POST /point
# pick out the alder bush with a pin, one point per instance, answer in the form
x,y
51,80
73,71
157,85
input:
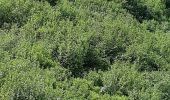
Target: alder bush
x,y
14,11
75,49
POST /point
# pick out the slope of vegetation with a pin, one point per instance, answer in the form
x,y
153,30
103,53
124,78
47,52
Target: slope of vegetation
x,y
84,50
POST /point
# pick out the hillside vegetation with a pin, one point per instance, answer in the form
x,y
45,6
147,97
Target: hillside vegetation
x,y
84,50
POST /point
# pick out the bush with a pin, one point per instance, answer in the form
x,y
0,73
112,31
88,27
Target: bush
x,y
75,49
15,12
149,55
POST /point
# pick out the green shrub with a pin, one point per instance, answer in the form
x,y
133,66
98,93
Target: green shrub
x,y
121,79
91,49
151,55
14,11
26,81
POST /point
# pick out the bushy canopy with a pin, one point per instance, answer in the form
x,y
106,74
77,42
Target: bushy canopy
x,y
84,50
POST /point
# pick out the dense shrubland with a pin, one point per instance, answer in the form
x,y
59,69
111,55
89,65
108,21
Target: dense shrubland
x,y
84,49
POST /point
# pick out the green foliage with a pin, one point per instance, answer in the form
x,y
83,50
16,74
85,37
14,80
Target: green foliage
x,y
12,10
151,55
84,49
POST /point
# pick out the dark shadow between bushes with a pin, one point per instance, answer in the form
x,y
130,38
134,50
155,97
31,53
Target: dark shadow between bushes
x,y
140,12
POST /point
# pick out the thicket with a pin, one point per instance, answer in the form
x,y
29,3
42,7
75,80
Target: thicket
x,y
84,49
